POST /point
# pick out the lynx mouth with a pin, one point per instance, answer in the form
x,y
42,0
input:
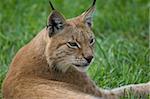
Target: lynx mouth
x,y
83,65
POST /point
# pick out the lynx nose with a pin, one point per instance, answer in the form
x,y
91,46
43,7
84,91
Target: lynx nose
x,y
89,58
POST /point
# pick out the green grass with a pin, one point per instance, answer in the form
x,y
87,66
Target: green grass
x,y
121,27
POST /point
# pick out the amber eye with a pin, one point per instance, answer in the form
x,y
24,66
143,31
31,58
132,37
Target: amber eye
x,y
92,41
73,45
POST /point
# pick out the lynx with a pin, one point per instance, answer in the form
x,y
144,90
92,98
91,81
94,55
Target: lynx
x,y
53,64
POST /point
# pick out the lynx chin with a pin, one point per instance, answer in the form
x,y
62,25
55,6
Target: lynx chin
x,y
53,64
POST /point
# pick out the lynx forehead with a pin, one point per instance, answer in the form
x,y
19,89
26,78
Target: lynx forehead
x,y
70,41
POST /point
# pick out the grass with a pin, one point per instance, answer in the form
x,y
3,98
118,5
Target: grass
x,y
121,29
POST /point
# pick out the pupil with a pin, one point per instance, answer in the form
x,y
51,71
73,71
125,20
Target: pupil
x,y
91,41
72,44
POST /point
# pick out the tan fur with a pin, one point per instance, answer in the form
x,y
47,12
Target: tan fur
x,y
43,68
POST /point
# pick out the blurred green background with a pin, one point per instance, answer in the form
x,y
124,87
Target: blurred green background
x,y
121,29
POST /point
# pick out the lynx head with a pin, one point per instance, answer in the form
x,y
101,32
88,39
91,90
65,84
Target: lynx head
x,y
70,41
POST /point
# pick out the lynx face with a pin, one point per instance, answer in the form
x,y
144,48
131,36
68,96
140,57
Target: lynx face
x,y
70,42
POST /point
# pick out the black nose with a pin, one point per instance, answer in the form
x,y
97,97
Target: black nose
x,y
89,58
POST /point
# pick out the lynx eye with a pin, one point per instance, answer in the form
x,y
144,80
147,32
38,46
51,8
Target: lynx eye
x,y
73,45
92,41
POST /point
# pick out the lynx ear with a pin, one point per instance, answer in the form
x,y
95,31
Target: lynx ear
x,y
56,22
88,15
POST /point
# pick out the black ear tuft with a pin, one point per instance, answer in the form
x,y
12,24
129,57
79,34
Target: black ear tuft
x,y
94,2
51,5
